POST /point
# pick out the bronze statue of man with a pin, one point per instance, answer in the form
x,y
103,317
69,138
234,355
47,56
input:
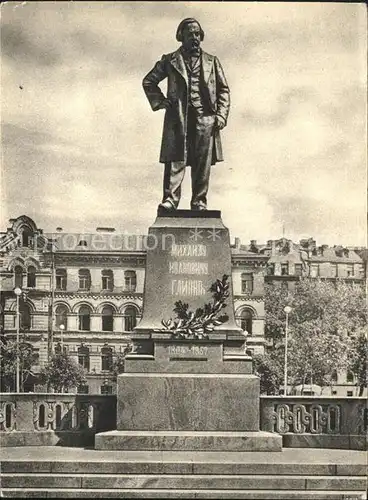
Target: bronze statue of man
x,y
197,107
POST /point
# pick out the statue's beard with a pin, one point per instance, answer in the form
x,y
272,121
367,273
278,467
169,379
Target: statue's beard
x,y
192,46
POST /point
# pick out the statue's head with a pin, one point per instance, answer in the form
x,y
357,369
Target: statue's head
x,y
190,34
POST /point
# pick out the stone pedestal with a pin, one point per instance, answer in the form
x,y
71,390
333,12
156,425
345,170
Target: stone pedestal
x,y
187,393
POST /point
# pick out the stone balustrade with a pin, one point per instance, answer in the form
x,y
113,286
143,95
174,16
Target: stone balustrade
x,y
316,422
48,419
73,419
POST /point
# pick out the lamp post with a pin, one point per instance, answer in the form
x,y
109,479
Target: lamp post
x,y
62,328
287,310
18,293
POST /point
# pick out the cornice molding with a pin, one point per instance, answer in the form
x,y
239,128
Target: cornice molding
x,y
98,296
77,259
249,298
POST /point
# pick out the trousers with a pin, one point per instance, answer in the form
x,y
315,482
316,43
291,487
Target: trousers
x,y
199,146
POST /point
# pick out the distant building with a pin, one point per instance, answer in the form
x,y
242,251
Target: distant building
x,y
84,292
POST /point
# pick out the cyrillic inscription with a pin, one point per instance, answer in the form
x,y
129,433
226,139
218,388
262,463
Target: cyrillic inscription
x,y
176,267
187,287
188,250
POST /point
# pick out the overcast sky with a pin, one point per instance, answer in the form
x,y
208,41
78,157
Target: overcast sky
x,y
81,143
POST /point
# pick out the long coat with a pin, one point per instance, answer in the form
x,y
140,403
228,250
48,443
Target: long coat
x,y
215,93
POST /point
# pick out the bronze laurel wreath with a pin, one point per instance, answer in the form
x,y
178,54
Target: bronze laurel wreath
x,y
199,324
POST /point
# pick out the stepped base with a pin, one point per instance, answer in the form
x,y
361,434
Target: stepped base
x,y
57,472
188,441
139,493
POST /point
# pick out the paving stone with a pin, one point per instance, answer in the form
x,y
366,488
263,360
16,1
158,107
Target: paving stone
x,y
41,481
174,482
336,483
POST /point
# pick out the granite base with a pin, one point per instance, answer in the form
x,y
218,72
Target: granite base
x,y
188,441
187,402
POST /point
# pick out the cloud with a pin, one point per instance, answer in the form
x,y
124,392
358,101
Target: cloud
x,y
285,104
17,45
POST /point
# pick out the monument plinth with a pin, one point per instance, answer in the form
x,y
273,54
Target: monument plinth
x,y
188,383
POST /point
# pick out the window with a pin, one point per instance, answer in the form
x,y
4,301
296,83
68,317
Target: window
x,y
334,271
247,282
18,277
106,359
130,278
84,279
284,269
61,279
106,389
334,392
245,320
61,316
84,318
314,270
58,348
349,394
28,387
361,271
298,269
334,376
284,285
26,238
31,277
270,269
349,377
130,318
83,357
350,270
108,280
107,319
83,389
24,316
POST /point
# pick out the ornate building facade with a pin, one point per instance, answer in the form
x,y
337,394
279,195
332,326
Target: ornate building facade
x,y
83,293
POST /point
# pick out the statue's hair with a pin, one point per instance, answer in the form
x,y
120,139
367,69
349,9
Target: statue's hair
x,y
184,22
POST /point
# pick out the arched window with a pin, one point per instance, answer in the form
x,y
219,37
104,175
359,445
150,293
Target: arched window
x,y
130,318
61,279
107,319
247,282
84,279
349,377
26,237
84,318
106,359
31,277
130,279
83,357
107,280
18,277
245,320
24,316
61,316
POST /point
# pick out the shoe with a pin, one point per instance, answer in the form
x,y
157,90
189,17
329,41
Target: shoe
x,y
198,207
167,206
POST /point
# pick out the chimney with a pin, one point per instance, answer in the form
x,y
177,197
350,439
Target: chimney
x,y
273,247
59,229
237,243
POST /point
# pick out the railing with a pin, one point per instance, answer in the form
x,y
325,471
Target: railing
x,y
314,421
71,419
